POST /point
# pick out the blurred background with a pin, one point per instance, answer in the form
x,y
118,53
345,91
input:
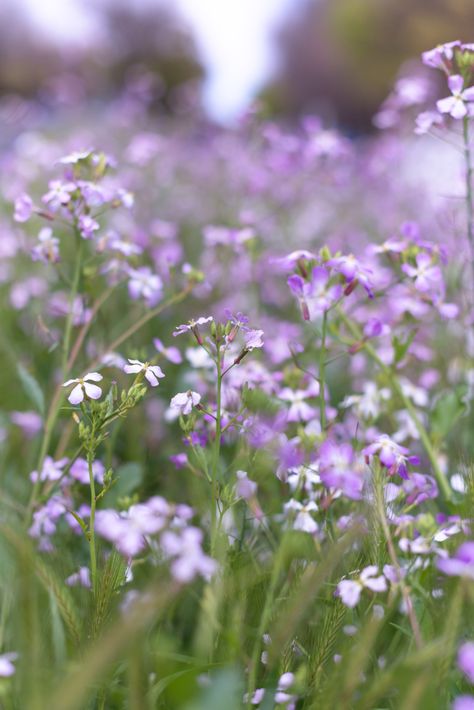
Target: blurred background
x,y
214,58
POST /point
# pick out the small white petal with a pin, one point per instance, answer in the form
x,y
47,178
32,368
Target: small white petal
x,y
132,369
151,377
93,377
92,391
70,382
77,395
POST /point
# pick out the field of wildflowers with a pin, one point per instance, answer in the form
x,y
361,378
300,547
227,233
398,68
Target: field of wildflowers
x,y
236,420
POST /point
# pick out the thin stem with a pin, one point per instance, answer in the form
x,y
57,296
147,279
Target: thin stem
x,y
322,356
53,410
394,560
217,450
396,387
177,298
469,196
91,533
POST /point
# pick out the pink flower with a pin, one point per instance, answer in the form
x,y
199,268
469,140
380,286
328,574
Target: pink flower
x,y
152,372
84,388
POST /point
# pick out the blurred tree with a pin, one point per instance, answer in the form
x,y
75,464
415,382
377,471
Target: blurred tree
x,y
340,57
148,46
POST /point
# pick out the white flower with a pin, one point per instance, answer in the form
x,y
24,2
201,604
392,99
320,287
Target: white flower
x,y
183,402
83,387
350,590
152,372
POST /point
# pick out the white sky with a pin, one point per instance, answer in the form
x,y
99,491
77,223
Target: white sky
x,y
233,36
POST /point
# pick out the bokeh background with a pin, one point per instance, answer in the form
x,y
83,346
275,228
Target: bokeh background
x,y
213,58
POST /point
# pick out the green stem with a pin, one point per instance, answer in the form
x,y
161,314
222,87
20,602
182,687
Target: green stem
x,y
396,387
217,451
264,621
322,355
91,535
469,196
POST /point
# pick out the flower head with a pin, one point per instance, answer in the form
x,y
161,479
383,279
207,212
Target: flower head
x,y
152,372
457,105
183,402
84,388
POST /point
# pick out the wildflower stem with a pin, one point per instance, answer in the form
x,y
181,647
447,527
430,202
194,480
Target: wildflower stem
x,y
91,534
469,196
322,356
396,387
217,451
380,502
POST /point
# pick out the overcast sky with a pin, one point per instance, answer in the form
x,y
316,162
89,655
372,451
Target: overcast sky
x,y
233,36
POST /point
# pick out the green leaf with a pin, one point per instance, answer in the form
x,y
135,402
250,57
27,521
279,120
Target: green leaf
x,y
129,478
31,388
449,407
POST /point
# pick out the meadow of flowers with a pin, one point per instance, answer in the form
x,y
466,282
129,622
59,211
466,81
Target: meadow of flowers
x,y
236,424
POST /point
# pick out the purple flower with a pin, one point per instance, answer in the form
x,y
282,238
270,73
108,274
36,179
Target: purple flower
x,y
253,339
353,272
7,668
59,194
437,57
80,471
456,104
23,208
84,388
188,559
87,226
51,471
47,250
245,488
29,422
320,295
391,455
170,353
337,469
427,275
183,402
144,284
81,578
192,326
152,372
299,410
466,660
462,564
464,702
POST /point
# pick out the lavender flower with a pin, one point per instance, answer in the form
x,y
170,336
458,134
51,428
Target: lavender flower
x,y
183,402
462,564
170,353
47,250
350,590
7,668
457,105
23,208
466,660
144,284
